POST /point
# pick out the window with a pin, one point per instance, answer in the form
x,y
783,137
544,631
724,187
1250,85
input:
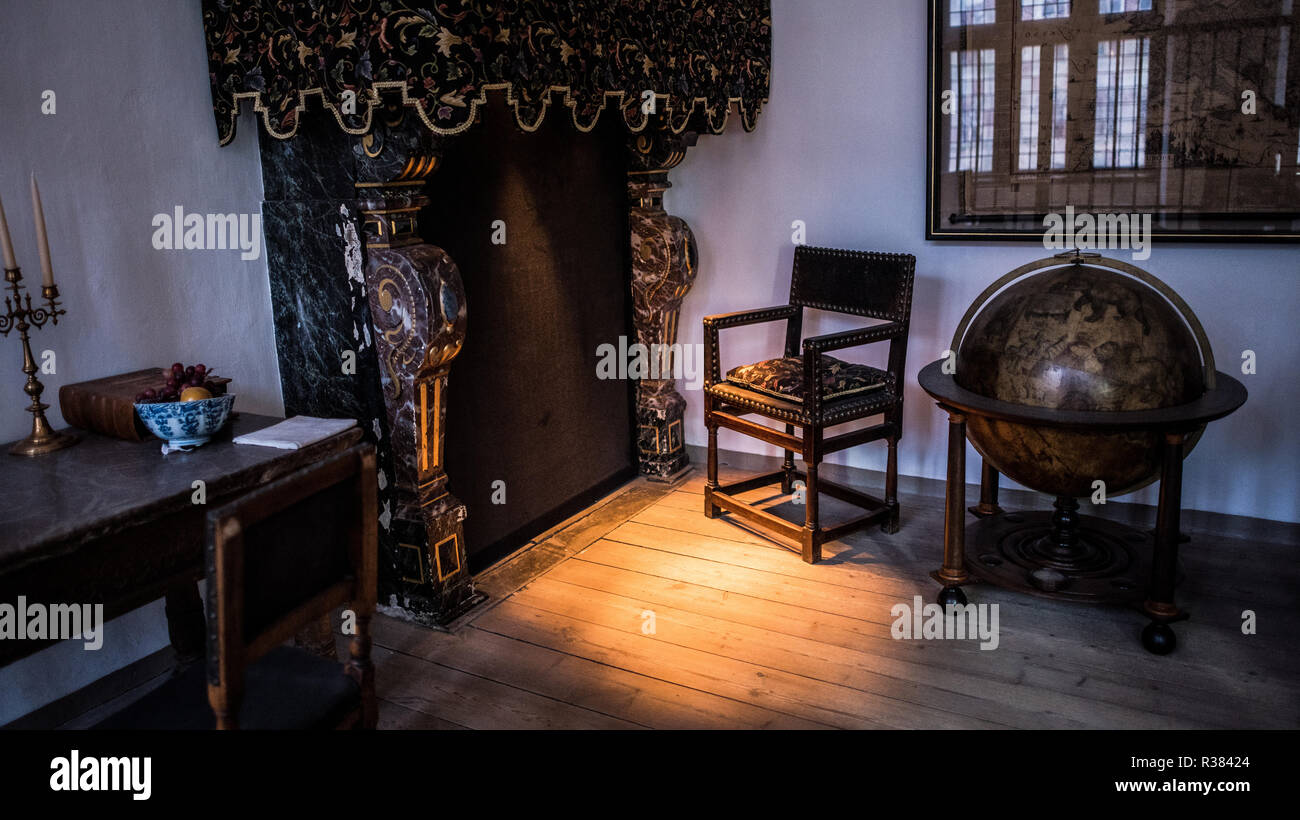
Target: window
x,y
971,12
1121,121
1030,57
971,133
1044,9
1121,6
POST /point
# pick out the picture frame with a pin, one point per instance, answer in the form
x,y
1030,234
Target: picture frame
x,y
1188,112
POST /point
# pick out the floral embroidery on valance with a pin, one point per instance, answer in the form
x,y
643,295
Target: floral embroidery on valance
x,y
697,57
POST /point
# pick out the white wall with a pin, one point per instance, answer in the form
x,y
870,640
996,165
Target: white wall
x,y
842,146
133,135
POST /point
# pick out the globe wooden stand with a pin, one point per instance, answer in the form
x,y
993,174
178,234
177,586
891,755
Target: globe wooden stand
x,y
1063,555
1060,554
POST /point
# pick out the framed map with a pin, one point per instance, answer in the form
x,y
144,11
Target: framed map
x,y
1184,110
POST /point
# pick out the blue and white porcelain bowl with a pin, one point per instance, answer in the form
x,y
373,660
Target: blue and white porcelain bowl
x,y
186,423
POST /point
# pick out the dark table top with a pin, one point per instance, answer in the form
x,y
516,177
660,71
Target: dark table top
x,y
99,486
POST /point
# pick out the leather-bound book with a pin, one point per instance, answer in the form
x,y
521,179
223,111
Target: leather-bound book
x,y
108,405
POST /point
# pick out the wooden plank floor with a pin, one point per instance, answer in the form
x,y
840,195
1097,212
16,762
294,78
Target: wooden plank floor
x,y
645,614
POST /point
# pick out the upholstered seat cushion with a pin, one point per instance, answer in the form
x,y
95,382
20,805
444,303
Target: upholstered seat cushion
x,y
783,378
289,688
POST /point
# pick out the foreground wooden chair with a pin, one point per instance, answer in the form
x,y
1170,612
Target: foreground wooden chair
x,y
278,559
875,285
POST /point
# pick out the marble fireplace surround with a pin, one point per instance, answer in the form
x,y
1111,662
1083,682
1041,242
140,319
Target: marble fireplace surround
x,y
370,317
357,99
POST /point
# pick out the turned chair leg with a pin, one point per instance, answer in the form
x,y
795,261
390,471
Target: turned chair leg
x,y
812,532
225,703
711,481
890,525
362,670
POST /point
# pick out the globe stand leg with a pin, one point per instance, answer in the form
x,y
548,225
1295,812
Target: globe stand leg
x,y
951,596
953,571
988,493
1157,637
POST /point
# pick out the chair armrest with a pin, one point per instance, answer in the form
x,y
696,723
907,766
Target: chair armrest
x,y
750,317
716,322
815,346
854,338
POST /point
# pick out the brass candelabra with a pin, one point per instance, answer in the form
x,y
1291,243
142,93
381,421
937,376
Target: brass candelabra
x,y
23,316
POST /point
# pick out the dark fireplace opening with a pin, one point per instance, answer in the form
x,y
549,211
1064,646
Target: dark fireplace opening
x,y
537,223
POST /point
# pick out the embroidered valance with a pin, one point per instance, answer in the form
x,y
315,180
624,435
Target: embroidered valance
x,y
441,57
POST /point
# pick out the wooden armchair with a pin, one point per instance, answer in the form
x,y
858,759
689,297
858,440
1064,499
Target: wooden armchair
x,y
874,285
278,559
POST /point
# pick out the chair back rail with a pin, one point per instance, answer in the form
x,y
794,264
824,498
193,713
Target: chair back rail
x,y
864,283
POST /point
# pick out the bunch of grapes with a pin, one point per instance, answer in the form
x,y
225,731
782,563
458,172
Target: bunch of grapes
x,y
178,379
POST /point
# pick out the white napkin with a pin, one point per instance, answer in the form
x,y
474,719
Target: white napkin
x,y
297,432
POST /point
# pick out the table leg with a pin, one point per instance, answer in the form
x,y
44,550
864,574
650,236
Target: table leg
x,y
186,626
953,572
1157,636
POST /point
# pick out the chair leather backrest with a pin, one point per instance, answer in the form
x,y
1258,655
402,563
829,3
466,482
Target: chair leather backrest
x,y
287,553
863,283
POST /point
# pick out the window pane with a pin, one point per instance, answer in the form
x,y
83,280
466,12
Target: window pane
x,y
971,130
1119,6
1030,57
972,12
1120,135
1044,9
1060,110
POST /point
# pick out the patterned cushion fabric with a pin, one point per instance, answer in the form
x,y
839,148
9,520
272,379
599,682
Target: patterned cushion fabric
x,y
783,378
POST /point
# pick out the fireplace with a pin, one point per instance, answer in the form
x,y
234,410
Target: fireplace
x,y
386,281
538,225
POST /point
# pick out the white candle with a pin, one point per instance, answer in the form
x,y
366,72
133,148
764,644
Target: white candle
x,y
42,241
6,245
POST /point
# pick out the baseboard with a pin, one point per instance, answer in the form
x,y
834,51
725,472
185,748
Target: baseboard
x,y
65,710
1138,515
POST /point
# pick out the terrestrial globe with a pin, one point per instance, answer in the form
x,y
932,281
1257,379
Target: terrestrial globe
x,y
1078,337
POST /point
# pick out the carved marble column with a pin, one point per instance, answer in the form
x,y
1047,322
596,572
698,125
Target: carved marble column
x,y
663,269
417,307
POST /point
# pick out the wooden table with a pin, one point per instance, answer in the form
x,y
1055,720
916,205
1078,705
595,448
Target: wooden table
x,y
116,522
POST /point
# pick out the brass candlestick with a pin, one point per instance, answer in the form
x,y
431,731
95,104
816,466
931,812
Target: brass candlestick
x,y
44,439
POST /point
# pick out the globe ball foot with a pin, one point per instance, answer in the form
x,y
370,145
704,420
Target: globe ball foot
x,y
1159,639
951,596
